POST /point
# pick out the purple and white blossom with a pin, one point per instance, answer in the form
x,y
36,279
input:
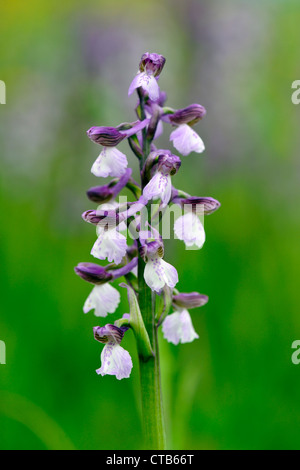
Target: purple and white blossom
x,y
160,185
186,140
178,328
103,299
110,245
115,360
150,68
157,273
189,228
111,161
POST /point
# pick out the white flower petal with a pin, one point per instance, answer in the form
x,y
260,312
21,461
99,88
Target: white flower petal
x,y
186,140
158,273
178,328
104,299
111,245
160,186
111,162
148,83
189,229
115,360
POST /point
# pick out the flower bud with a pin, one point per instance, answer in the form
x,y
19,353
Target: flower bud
x,y
152,63
191,300
103,218
189,115
103,194
109,333
205,205
93,273
100,194
106,136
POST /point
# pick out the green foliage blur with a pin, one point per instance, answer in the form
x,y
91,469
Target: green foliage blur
x,y
67,66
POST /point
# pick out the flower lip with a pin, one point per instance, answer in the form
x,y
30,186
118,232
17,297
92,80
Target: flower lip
x,y
93,273
152,63
189,115
106,136
206,204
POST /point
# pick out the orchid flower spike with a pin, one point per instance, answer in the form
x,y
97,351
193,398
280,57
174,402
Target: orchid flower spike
x,y
142,264
115,360
150,68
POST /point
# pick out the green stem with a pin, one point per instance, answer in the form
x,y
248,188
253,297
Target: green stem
x,y
152,409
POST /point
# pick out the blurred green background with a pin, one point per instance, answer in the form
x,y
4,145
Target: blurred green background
x,y
67,66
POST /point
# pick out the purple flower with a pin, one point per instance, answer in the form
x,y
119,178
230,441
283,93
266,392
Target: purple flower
x,y
109,332
110,244
150,68
178,328
189,229
157,272
152,63
104,218
103,299
93,273
115,360
112,162
186,140
189,115
199,205
160,186
106,136
189,300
